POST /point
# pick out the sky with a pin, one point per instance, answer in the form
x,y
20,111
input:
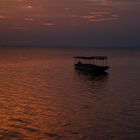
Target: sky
x,y
70,23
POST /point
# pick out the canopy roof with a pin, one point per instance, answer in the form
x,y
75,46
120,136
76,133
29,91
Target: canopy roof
x,y
92,57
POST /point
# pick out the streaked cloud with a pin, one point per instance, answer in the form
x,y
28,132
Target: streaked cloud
x,y
71,18
48,24
3,17
29,19
29,6
100,16
13,27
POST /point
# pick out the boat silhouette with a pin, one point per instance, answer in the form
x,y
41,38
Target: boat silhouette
x,y
96,64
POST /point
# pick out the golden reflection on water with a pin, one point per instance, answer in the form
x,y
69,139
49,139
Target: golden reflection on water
x,y
35,101
42,97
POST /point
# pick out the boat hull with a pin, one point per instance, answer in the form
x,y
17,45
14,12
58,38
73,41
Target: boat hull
x,y
91,68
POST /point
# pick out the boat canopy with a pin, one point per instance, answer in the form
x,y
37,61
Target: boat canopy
x,y
92,57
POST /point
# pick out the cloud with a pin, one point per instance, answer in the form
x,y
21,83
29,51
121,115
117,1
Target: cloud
x,y
100,16
13,27
3,17
29,7
29,19
48,24
102,19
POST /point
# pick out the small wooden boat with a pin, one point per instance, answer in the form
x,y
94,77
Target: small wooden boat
x,y
97,64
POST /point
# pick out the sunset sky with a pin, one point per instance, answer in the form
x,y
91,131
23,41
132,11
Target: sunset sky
x,y
92,23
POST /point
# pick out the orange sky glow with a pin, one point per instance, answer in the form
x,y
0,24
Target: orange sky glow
x,y
16,13
53,15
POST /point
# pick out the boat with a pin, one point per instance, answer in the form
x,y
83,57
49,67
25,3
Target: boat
x,y
96,64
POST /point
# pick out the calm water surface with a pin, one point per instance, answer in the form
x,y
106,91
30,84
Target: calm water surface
x,y
42,97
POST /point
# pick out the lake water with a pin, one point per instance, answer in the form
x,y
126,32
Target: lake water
x,y
42,96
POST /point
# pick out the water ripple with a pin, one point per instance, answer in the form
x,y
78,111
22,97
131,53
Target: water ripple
x,y
45,98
